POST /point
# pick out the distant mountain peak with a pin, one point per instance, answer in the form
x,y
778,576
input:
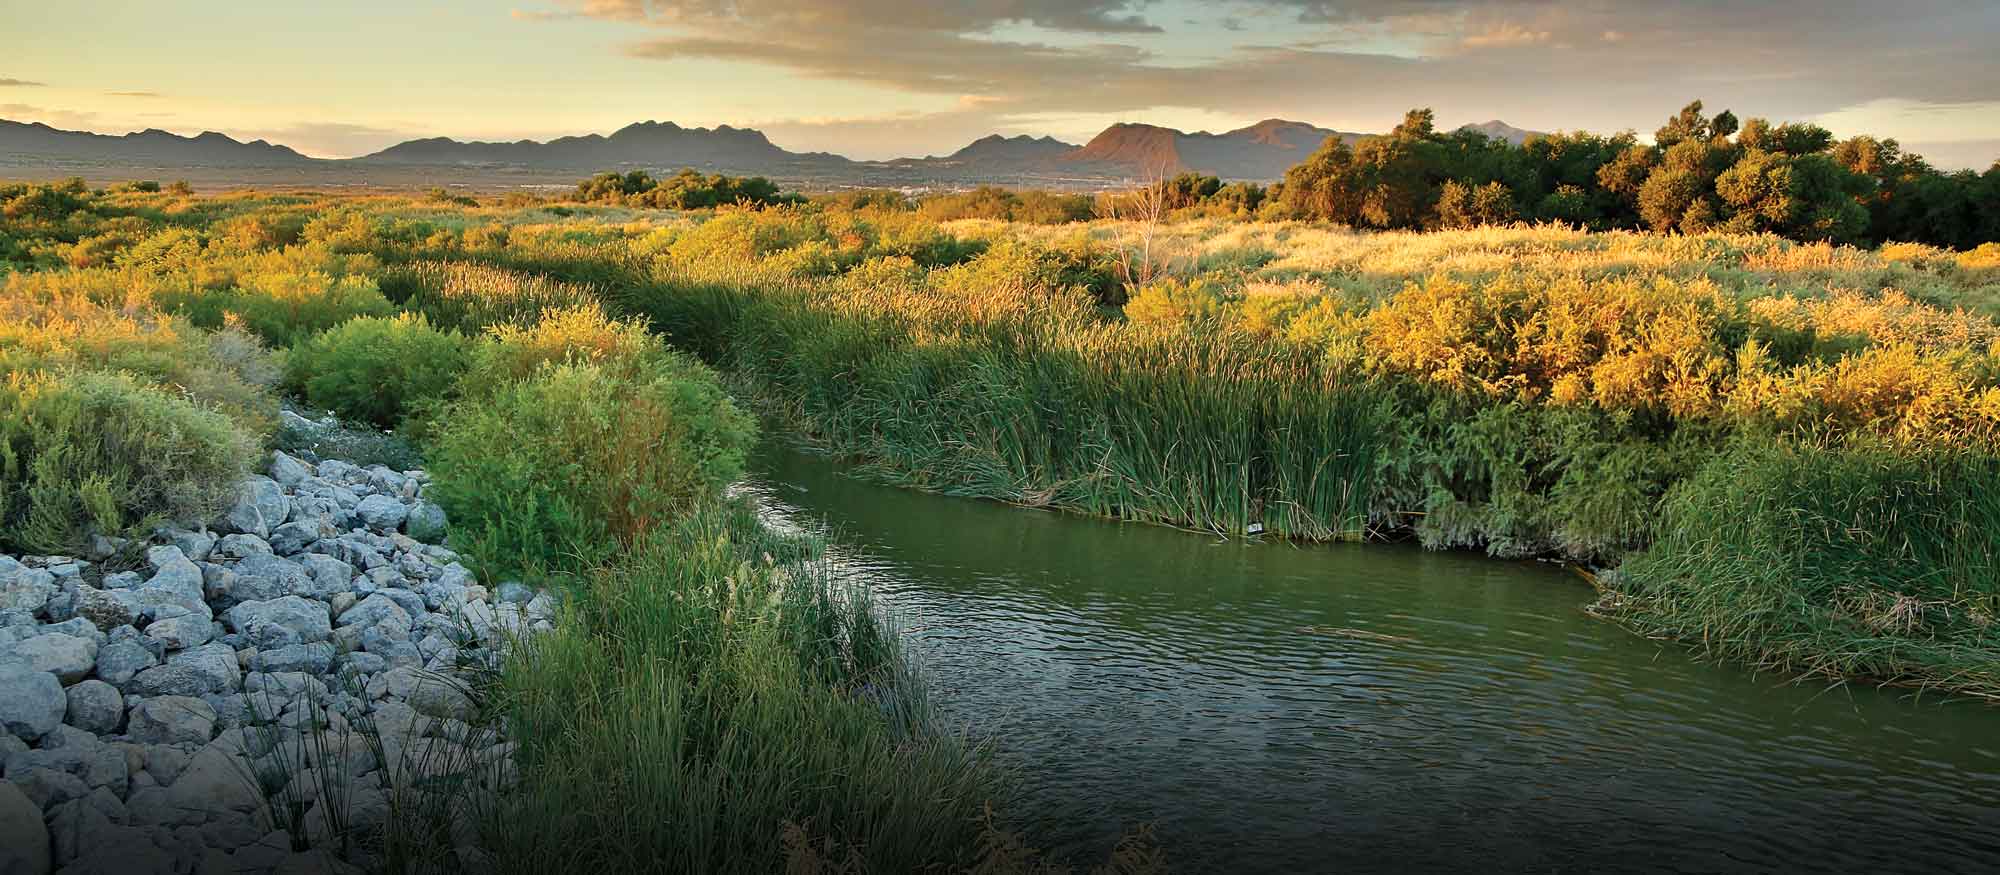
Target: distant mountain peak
x,y
208,148
1500,130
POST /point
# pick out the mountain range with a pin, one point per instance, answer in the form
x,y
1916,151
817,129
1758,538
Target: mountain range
x,y
1123,151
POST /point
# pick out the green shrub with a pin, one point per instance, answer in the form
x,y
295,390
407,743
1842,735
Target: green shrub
x,y
83,452
377,370
225,370
289,307
564,470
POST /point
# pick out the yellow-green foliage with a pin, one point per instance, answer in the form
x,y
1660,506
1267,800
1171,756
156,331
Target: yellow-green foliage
x,y
84,452
576,436
377,370
225,370
576,335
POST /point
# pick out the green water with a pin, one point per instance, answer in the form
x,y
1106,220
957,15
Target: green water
x,y
1268,707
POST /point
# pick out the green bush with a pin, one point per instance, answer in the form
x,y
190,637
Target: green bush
x,y
286,308
564,470
378,370
83,452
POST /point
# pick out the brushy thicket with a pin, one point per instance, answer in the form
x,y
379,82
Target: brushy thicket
x,y
595,450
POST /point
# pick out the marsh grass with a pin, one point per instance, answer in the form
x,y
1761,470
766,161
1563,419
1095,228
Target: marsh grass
x,y
713,691
1830,562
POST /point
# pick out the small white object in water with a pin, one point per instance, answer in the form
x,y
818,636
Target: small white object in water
x,y
1254,529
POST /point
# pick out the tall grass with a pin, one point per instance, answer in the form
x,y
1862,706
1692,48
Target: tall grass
x,y
713,692
1838,562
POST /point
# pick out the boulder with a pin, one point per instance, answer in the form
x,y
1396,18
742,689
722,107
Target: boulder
x,y
24,840
182,632
293,537
260,506
287,470
425,522
107,609
218,778
196,546
381,512
118,661
428,693
241,545
316,657
210,668
24,589
176,582
31,700
378,607
171,720
266,576
281,621
69,658
94,706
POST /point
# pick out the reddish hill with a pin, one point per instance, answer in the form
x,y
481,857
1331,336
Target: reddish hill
x,y
1261,151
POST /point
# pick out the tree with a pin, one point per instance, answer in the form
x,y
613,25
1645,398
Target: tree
x,y
1688,124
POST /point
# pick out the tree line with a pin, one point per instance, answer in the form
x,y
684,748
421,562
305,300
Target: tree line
x,y
687,190
1700,173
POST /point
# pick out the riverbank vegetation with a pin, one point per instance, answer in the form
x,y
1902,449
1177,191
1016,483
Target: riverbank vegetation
x,y
1751,432
712,698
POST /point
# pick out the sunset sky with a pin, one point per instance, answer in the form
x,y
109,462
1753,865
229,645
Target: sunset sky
x,y
875,79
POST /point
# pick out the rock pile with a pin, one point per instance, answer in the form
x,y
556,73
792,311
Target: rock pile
x,y
256,693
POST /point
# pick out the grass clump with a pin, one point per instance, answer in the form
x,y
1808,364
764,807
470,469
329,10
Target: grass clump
x,y
710,693
378,370
1860,561
86,453
470,297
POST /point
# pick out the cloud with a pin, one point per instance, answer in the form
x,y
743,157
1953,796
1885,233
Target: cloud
x,y
1967,121
1506,34
20,83
1351,64
1074,16
147,95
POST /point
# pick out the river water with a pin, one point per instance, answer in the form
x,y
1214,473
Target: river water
x,y
1271,707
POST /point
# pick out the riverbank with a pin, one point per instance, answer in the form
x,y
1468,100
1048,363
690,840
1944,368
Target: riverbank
x,y
291,688
1360,708
1617,400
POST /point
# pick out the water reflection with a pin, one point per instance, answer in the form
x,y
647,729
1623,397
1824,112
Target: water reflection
x,y
1276,708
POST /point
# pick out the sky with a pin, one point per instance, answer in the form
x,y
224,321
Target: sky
x,y
878,79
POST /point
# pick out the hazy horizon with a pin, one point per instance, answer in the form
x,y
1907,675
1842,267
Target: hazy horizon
x,y
871,79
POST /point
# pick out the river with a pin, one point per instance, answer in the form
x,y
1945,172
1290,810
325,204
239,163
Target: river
x,y
1274,707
